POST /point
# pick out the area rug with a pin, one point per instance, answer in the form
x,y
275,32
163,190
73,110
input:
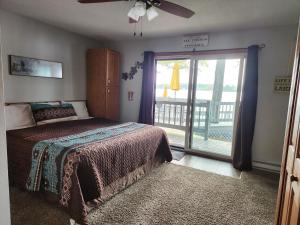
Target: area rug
x,y
177,155
170,195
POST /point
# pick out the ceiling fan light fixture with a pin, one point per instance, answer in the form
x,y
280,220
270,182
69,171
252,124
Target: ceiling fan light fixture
x,y
152,13
137,11
132,14
140,8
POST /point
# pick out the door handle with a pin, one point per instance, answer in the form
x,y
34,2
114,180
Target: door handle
x,y
294,179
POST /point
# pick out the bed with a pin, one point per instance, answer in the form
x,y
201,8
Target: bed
x,y
84,162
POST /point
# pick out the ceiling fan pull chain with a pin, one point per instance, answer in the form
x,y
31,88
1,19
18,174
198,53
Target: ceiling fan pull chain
x,y
141,34
134,30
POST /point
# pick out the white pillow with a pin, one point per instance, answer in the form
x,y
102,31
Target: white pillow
x,y
80,109
18,116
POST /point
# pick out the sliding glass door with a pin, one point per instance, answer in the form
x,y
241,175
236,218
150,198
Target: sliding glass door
x,y
197,101
216,96
172,81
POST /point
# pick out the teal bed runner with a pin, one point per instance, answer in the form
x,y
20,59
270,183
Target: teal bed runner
x,y
48,156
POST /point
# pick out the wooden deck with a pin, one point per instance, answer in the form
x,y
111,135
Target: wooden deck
x,y
177,137
212,124
209,122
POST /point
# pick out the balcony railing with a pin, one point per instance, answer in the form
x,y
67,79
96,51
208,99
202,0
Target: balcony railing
x,y
206,115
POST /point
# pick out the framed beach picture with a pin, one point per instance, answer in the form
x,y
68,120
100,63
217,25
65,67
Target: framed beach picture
x,y
24,66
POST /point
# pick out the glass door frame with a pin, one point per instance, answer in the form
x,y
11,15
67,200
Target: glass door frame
x,y
194,57
178,57
192,97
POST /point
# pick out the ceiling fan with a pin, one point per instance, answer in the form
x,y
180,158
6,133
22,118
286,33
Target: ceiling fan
x,y
147,7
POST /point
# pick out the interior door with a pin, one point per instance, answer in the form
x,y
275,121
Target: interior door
x,y
288,211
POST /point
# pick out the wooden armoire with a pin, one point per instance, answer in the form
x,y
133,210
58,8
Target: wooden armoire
x,y
288,201
103,83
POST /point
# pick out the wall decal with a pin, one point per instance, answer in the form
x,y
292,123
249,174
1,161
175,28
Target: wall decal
x,y
133,71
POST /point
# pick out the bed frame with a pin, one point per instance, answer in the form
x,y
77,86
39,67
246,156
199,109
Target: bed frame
x,y
15,103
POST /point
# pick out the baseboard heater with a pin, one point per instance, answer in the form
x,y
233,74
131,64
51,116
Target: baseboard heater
x,y
266,166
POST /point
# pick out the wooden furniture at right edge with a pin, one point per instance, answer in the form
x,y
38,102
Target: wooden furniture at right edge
x,y
288,201
103,83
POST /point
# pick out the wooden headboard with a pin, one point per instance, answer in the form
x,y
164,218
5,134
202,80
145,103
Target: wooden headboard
x,y
14,103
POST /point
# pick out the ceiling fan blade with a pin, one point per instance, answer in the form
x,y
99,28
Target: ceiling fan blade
x,y
98,1
175,9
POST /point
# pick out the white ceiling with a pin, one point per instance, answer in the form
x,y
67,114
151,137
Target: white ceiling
x,y
109,20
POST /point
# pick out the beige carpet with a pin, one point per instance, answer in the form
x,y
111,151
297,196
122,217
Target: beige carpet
x,y
170,195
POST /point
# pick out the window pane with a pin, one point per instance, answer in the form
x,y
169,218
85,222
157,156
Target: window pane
x,y
172,79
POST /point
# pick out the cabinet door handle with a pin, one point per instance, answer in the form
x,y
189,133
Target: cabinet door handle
x,y
108,81
108,90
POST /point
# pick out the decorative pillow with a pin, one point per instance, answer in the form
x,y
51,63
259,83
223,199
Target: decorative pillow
x,y
18,116
47,113
80,109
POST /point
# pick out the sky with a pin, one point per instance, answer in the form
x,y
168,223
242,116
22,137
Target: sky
x,y
206,75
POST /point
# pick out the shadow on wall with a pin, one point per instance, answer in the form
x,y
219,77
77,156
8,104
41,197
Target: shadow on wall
x,y
78,70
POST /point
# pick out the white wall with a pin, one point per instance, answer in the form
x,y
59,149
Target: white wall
x,y
26,37
4,191
271,109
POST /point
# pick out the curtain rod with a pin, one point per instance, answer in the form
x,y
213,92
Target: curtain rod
x,y
207,52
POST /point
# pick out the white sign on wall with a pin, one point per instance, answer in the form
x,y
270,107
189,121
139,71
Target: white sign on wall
x,y
282,84
195,41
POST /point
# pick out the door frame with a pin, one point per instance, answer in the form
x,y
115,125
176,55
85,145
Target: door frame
x,y
288,132
194,57
179,57
223,55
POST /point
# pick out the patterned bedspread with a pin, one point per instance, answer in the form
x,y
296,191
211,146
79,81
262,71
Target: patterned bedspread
x,y
86,168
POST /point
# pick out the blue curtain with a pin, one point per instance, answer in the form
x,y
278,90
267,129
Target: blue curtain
x,y
148,96
242,157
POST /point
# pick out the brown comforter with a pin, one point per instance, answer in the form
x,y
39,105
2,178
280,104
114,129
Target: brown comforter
x,y
101,169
